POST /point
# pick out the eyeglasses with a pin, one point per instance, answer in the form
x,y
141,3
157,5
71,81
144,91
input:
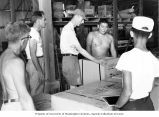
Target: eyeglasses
x,y
28,37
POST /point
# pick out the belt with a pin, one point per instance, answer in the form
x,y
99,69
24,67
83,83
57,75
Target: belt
x,y
40,56
137,99
69,55
10,100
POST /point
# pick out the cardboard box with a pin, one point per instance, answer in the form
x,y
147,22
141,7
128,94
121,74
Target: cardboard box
x,y
104,11
88,97
89,11
93,72
58,6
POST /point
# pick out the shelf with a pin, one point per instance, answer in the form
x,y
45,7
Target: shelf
x,y
62,23
86,23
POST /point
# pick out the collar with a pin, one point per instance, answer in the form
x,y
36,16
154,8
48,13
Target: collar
x,y
71,25
33,29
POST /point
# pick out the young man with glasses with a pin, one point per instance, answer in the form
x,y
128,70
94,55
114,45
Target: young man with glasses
x,y
12,69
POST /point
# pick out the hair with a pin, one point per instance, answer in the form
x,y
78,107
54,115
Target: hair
x,y
37,15
14,31
139,33
103,20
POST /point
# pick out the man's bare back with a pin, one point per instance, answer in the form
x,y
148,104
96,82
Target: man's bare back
x,y
12,69
7,61
98,45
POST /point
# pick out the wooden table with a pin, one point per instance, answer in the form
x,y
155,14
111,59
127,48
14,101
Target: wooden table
x,y
88,97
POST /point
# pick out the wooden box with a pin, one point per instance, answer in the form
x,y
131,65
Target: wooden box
x,y
104,10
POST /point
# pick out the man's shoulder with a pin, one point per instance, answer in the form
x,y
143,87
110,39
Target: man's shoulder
x,y
16,61
93,33
34,34
109,36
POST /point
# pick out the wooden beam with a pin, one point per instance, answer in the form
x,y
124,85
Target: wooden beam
x,y
141,7
115,22
48,41
12,10
35,4
158,26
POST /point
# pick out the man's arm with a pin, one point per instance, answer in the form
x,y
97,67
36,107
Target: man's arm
x,y
127,89
89,42
112,48
87,55
156,81
33,49
17,71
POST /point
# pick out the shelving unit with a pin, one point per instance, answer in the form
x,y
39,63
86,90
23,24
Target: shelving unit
x,y
89,24
113,21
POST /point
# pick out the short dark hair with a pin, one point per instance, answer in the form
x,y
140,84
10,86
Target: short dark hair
x,y
139,33
37,15
14,31
103,20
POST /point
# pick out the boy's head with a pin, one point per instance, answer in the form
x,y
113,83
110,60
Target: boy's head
x,y
15,31
103,26
142,27
39,18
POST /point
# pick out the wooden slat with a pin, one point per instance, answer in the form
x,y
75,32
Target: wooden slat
x,y
48,41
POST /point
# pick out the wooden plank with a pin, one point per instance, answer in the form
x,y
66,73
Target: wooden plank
x,y
158,25
70,102
12,8
140,7
35,4
98,89
115,23
48,41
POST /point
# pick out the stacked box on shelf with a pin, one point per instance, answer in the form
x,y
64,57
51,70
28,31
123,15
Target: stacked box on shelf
x,y
105,11
58,9
89,11
71,8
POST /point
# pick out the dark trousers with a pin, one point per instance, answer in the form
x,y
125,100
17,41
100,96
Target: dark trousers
x,y
142,104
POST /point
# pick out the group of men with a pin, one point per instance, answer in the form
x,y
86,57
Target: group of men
x,y
13,78
137,65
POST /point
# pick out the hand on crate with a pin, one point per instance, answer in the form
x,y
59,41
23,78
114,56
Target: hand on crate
x,y
102,62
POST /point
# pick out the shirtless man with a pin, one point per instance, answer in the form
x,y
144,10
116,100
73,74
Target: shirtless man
x,y
99,42
12,69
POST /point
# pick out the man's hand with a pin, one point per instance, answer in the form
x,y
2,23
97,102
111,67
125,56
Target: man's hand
x,y
101,61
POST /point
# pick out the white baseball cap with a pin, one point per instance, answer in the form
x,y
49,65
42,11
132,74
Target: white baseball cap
x,y
143,23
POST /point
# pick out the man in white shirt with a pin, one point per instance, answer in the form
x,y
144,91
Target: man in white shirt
x,y
34,52
140,68
70,48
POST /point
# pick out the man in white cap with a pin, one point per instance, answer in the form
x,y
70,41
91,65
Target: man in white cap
x,y
70,48
140,68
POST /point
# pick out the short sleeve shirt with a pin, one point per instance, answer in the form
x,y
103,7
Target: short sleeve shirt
x,y
68,40
36,36
144,67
